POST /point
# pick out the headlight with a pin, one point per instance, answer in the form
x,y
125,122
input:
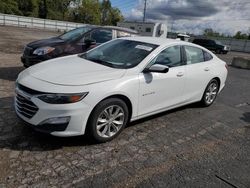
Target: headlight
x,y
43,50
62,98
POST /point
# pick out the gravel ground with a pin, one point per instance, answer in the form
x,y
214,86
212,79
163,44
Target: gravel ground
x,y
187,147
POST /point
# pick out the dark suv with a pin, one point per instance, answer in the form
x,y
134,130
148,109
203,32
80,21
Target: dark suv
x,y
212,45
73,42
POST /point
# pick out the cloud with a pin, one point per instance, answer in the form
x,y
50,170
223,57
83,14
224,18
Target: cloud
x,y
181,9
194,16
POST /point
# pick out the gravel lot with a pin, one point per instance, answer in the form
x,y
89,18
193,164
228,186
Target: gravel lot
x,y
187,147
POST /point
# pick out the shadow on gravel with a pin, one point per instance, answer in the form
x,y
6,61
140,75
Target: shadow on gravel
x,y
246,117
16,135
194,105
10,73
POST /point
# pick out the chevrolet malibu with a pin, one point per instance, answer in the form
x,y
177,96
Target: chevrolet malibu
x,y
123,80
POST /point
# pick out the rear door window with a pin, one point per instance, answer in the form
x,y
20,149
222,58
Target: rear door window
x,y
207,56
171,57
123,34
101,35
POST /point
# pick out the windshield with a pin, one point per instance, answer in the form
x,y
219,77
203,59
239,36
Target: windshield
x,y
75,33
120,53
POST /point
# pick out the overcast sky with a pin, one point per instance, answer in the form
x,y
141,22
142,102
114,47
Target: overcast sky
x,y
193,16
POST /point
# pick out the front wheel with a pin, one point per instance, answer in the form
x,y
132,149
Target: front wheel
x,y
108,119
210,93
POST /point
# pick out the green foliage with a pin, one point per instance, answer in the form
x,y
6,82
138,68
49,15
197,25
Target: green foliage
x,y
88,12
240,35
43,9
84,11
26,6
211,33
110,15
116,16
9,7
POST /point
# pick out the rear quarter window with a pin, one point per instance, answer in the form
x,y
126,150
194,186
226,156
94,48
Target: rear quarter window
x,y
207,56
123,34
194,55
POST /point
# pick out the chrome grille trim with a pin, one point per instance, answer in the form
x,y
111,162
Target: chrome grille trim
x,y
24,105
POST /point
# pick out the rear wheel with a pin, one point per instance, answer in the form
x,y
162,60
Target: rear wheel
x,y
210,93
218,51
108,119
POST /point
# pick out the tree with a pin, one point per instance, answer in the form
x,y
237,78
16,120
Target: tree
x,y
110,15
9,7
85,11
105,12
116,16
26,6
240,35
57,9
42,10
209,32
90,12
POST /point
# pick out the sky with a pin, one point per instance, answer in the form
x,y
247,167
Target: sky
x,y
191,16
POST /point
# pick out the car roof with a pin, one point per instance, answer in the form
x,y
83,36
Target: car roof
x,y
156,40
120,29
111,27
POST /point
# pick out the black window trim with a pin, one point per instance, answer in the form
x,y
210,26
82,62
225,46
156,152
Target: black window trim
x,y
98,29
204,51
185,55
182,51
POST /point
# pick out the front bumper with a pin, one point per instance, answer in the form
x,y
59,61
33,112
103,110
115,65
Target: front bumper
x,y
78,113
32,60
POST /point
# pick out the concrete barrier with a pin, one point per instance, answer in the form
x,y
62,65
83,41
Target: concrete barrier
x,y
22,21
241,62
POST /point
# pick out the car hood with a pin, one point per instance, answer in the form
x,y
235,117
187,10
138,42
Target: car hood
x,y
46,42
73,71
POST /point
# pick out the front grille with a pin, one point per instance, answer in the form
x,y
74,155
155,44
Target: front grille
x,y
28,51
25,106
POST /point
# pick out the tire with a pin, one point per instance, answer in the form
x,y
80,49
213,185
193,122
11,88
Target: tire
x,y
218,51
210,93
102,125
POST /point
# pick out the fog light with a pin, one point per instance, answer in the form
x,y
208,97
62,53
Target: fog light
x,y
56,120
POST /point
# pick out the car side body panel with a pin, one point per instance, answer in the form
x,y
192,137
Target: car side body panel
x,y
149,93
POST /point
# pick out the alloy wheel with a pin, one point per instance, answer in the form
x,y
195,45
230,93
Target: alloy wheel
x,y
110,121
211,92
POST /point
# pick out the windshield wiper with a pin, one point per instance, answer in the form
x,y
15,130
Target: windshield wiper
x,y
101,62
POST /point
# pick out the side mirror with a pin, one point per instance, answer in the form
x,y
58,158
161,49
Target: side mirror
x,y
157,68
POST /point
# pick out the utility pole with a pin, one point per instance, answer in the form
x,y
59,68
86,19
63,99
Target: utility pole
x,y
144,11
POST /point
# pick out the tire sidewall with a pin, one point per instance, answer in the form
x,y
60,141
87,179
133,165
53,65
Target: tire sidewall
x,y
91,126
204,102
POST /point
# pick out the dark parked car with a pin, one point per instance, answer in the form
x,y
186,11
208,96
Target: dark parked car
x,y
212,45
75,41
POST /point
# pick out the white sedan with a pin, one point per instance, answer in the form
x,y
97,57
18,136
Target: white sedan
x,y
123,80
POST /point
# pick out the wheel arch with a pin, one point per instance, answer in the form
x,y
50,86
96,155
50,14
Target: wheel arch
x,y
119,96
218,80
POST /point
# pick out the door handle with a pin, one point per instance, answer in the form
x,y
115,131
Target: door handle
x,y
206,69
180,74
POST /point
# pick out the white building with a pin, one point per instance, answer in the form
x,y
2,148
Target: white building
x,y
146,28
